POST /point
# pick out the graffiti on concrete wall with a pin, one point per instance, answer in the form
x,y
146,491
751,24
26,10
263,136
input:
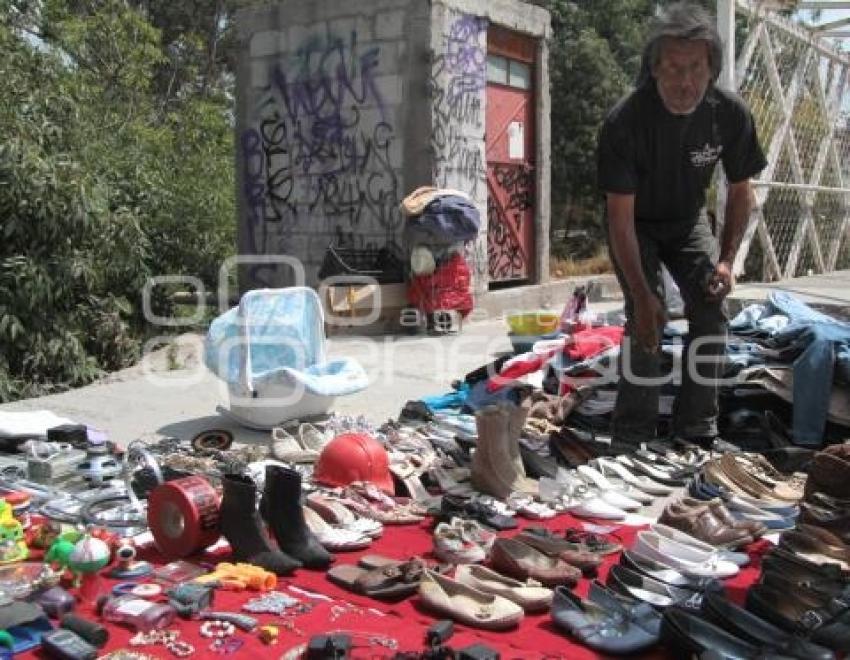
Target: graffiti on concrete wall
x,y
504,253
316,155
511,196
516,187
456,87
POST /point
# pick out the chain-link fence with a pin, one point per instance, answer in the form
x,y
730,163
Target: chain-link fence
x,y
798,89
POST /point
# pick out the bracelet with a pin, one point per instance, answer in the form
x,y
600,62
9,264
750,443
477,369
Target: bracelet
x,y
217,628
180,648
154,637
241,621
226,646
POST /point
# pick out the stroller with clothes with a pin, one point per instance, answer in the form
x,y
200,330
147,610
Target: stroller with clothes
x,y
440,222
271,353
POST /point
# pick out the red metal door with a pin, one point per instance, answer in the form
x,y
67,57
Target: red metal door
x,y
510,172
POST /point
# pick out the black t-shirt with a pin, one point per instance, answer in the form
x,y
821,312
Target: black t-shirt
x,y
667,160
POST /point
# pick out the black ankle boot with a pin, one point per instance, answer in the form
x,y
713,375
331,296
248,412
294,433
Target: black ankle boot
x,y
281,507
243,528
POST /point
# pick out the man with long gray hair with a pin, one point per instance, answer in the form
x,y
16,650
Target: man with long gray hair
x,y
657,152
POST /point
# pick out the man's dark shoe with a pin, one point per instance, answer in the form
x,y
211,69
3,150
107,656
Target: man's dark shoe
x,y
537,466
688,635
826,623
744,624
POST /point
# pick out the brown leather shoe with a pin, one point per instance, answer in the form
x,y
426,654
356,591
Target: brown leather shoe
x,y
701,523
518,560
808,540
835,521
554,546
751,527
829,472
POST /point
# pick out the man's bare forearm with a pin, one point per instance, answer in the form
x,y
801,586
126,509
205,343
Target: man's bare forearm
x,y
739,205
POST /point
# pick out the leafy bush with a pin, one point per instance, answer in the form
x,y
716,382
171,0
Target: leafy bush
x,y
103,183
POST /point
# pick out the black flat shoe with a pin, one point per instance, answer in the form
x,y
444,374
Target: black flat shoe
x,y
607,628
755,630
642,587
644,614
689,636
657,571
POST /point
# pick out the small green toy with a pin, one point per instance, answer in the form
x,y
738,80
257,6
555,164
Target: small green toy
x,y
59,553
13,547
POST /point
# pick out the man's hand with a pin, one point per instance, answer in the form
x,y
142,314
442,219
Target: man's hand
x,y
721,281
650,318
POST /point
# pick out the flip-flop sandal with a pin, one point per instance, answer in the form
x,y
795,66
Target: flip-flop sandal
x,y
397,515
380,561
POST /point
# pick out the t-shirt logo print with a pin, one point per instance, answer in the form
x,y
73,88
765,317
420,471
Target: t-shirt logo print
x,y
708,155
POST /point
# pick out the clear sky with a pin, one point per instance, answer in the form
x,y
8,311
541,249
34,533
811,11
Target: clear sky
x,y
809,17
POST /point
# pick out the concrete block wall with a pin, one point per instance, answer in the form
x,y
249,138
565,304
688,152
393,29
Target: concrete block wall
x,y
324,111
343,108
457,88
459,99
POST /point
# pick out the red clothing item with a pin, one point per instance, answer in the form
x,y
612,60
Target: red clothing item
x,y
588,343
448,287
577,347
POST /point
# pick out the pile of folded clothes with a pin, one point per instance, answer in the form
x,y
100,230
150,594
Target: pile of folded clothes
x,y
786,376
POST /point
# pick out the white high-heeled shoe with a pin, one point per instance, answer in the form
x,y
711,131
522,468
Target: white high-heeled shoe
x,y
641,482
606,492
654,472
604,484
578,500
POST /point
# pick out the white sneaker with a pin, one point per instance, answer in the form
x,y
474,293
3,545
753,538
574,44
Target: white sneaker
x,y
452,547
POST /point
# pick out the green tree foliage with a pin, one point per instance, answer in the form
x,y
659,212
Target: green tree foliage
x,y
116,165
594,59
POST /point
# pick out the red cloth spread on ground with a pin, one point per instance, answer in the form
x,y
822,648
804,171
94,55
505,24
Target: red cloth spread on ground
x,y
448,287
406,621
579,346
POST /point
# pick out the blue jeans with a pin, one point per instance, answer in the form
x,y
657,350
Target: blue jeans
x,y
819,346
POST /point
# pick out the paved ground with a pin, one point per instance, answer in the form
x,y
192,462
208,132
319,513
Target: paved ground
x,y
153,398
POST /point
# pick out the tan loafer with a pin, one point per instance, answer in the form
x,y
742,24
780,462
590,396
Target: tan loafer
x,y
468,605
530,595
